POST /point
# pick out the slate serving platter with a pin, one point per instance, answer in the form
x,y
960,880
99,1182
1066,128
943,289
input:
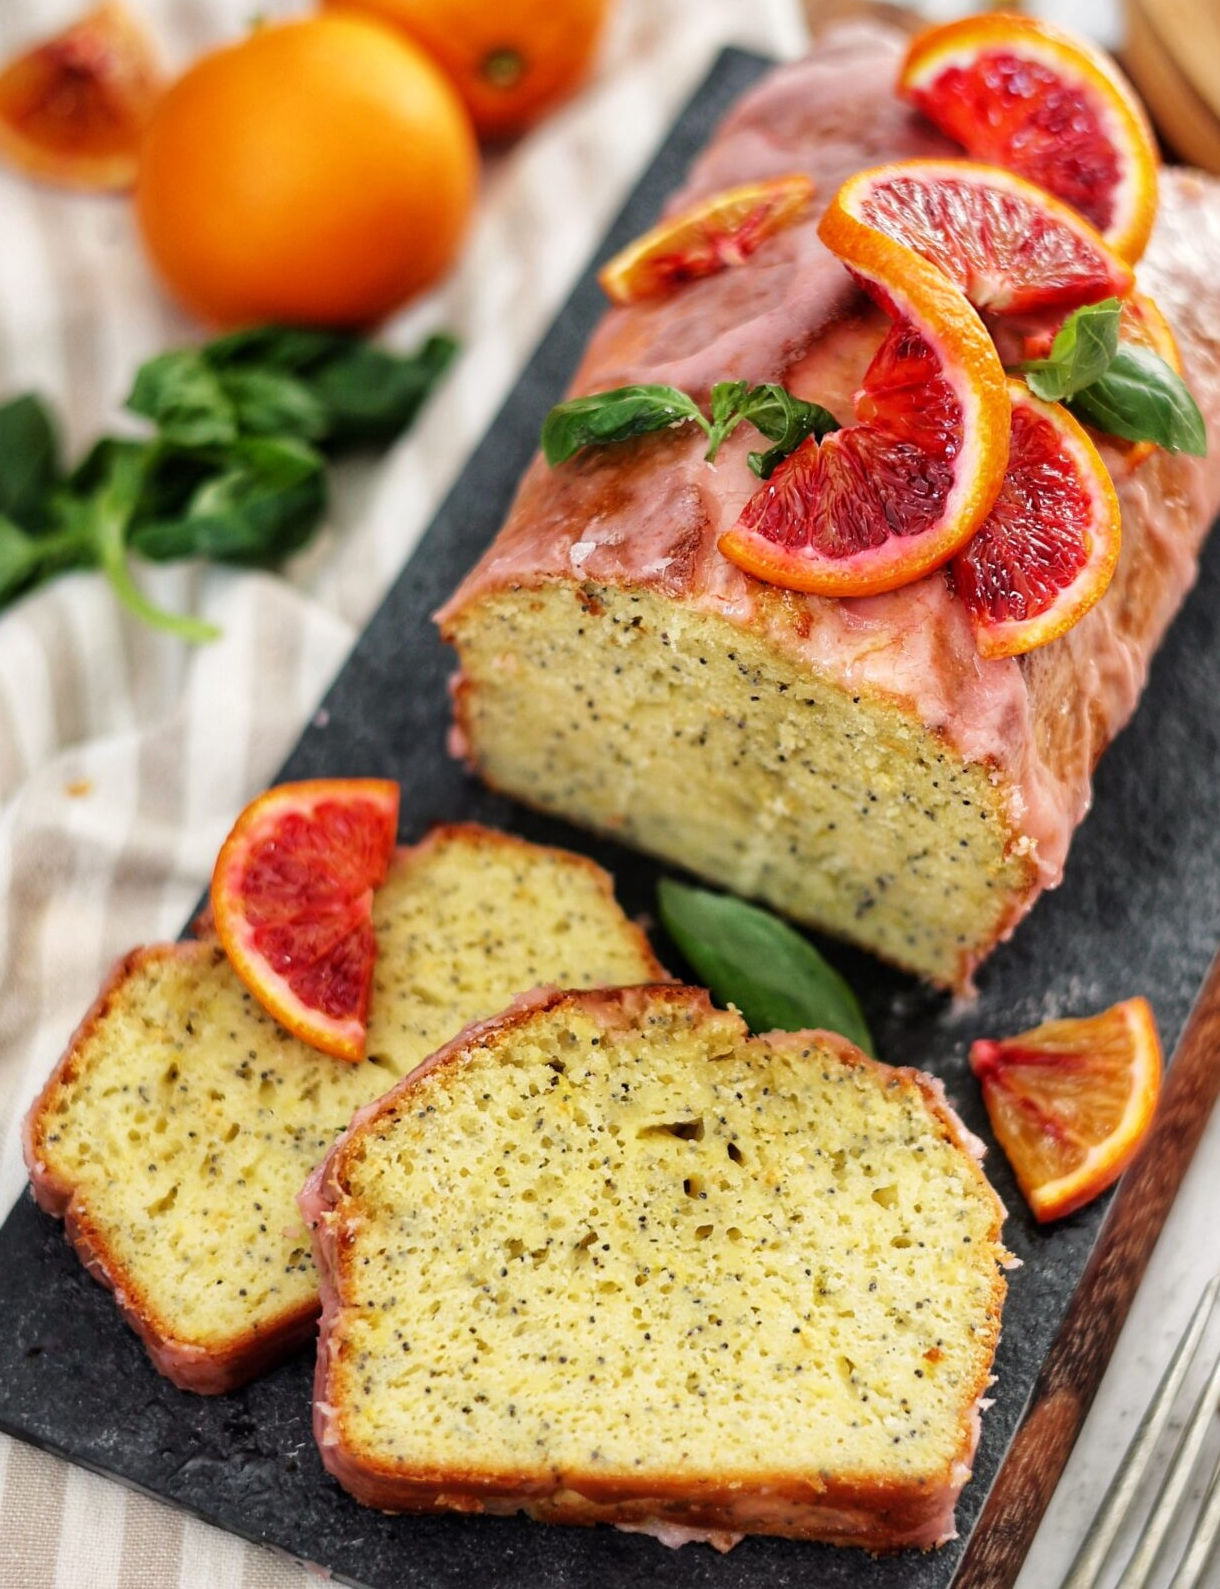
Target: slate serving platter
x,y
1139,911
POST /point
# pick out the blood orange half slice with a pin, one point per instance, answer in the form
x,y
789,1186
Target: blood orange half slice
x,y
73,110
292,897
1019,93
1047,550
879,504
1009,245
1071,1101
715,233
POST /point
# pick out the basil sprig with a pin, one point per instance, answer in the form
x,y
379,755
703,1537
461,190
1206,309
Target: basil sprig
x,y
748,957
1116,387
623,412
234,468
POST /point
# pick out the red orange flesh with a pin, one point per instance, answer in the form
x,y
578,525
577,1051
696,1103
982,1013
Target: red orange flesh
x,y
292,896
1071,1101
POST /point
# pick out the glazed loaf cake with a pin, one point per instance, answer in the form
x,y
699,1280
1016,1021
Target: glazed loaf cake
x,y
608,1258
181,1123
854,763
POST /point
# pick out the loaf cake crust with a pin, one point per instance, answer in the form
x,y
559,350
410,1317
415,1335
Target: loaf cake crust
x,y
975,773
625,1206
175,1132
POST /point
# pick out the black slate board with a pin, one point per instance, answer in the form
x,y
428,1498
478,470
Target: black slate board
x,y
1138,911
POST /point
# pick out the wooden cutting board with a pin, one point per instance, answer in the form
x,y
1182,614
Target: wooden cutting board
x,y
1139,911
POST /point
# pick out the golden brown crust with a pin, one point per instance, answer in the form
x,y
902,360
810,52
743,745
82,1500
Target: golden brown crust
x,y
870,1510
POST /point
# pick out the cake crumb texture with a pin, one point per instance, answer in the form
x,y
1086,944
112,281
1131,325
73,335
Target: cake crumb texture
x,y
178,1129
611,1257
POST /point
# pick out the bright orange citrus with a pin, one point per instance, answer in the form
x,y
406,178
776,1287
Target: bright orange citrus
x,y
73,109
1047,551
710,236
319,171
292,901
1020,93
1071,1101
510,60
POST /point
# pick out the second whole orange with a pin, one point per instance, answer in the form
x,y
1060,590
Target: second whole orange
x,y
319,172
511,61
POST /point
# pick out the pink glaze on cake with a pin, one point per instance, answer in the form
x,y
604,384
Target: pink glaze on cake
x,y
791,314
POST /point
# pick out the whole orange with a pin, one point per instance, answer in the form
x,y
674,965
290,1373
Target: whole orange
x,y
511,60
319,172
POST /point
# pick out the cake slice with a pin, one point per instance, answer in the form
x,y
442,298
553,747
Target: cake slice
x,y
608,1258
179,1126
853,763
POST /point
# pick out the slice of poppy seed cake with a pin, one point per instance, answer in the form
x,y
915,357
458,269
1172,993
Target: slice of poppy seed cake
x,y
606,1257
178,1128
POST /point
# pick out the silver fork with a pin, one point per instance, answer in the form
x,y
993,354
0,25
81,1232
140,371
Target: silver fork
x,y
1086,1570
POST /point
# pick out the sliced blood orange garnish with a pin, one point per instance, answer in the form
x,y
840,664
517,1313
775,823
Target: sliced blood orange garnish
x,y
712,235
1009,245
73,110
292,898
883,502
1019,93
1071,1101
1047,550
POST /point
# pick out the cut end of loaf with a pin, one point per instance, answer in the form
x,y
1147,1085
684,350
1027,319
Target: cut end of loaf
x,y
176,1132
607,1257
679,733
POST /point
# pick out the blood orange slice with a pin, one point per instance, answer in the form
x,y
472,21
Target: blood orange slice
x,y
73,110
1009,245
1071,1101
1047,550
1021,94
292,897
878,505
717,232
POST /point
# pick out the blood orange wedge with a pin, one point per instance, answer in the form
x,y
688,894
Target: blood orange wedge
x,y
1071,1101
878,505
1047,550
292,899
1021,94
73,109
717,232
1009,245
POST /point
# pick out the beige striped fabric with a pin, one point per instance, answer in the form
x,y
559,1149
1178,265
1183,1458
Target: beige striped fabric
x,y
123,756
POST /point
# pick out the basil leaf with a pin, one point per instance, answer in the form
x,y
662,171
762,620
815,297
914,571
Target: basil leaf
x,y
748,957
291,349
1081,353
615,415
785,420
728,400
370,395
259,504
272,403
29,460
1141,398
186,400
19,558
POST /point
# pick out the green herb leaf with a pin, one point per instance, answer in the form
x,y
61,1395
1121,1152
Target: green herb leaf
x,y
728,403
616,415
1080,354
370,395
271,403
29,460
785,420
748,957
261,503
1141,398
185,399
